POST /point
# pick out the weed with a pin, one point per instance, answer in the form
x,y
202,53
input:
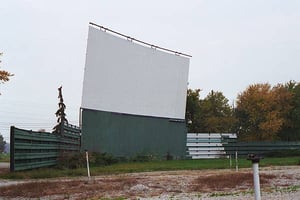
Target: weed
x,y
102,159
71,161
220,194
4,157
199,195
293,188
247,192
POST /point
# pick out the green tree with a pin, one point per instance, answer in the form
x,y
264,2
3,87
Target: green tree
x,y
212,114
296,112
192,114
291,129
60,113
261,111
2,144
216,114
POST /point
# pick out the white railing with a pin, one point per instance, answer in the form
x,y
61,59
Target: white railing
x,y
207,145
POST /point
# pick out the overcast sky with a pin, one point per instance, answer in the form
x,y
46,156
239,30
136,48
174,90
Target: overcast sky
x,y
234,43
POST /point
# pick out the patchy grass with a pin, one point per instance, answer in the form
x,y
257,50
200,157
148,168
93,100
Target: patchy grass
x,y
67,188
4,157
43,173
280,161
292,188
129,167
221,194
117,187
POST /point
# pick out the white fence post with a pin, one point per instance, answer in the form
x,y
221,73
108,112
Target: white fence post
x,y
255,160
236,161
87,164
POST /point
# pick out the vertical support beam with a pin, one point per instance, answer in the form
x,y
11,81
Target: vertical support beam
x,y
12,148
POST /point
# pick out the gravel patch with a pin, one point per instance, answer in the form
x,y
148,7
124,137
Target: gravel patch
x,y
277,183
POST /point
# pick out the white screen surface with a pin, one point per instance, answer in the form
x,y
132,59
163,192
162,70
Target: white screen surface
x,y
125,77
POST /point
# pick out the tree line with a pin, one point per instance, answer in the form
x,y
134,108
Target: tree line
x,y
262,112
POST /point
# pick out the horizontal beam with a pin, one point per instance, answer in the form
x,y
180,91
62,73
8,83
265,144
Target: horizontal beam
x,y
139,41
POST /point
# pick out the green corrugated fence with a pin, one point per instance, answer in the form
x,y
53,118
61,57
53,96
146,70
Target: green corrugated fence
x,y
245,148
31,149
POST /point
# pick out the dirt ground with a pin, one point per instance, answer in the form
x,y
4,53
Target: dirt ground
x,y
276,183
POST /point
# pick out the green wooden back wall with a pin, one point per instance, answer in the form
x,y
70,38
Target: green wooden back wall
x,y
124,135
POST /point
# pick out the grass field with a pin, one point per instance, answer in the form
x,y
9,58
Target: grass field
x,y
4,157
130,167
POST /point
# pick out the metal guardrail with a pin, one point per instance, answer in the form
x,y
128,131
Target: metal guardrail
x,y
245,148
31,149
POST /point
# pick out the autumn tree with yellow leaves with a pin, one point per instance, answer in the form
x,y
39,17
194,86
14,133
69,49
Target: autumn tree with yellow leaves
x,y
4,75
262,110
263,113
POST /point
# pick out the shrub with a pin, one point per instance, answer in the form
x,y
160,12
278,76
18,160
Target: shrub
x,y
71,160
169,156
102,159
142,158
